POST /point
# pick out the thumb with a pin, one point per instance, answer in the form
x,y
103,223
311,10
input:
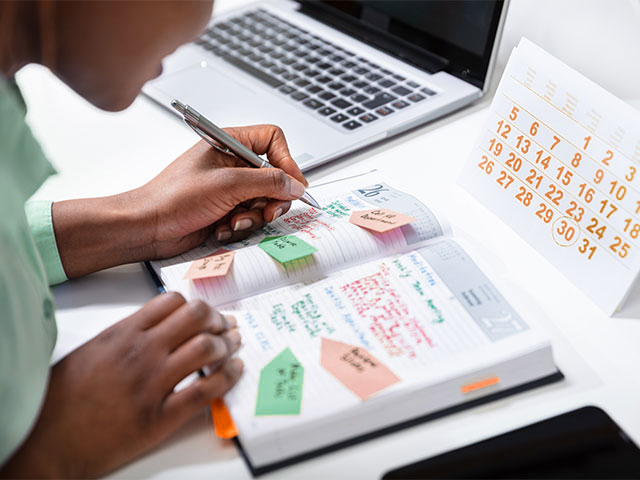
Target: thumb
x,y
248,183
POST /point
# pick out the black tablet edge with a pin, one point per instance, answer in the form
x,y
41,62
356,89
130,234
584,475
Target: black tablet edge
x,y
257,471
154,277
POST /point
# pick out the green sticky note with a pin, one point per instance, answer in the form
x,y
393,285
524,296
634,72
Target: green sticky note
x,y
280,386
286,248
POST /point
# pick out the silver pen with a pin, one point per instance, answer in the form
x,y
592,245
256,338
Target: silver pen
x,y
210,133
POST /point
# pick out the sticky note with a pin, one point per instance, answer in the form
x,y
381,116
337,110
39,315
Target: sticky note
x,y
380,220
356,368
286,248
215,265
222,421
280,386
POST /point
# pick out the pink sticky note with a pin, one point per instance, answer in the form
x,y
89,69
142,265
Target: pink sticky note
x,y
215,265
356,368
380,220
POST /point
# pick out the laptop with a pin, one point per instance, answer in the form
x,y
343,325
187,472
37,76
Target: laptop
x,y
336,76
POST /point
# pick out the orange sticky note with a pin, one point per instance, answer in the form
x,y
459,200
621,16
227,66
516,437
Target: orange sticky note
x,y
356,368
222,421
380,220
215,265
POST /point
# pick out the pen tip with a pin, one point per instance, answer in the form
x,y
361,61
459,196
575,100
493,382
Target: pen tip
x,y
179,106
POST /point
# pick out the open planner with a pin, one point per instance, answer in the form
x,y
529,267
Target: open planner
x,y
372,331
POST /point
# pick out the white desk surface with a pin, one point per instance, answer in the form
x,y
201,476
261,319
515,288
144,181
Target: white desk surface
x,y
98,153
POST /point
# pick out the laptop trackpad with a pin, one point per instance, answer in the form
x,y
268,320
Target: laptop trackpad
x,y
223,99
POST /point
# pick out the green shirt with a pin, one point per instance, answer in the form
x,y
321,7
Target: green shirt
x,y
29,263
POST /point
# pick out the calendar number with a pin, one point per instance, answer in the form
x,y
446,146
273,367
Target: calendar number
x,y
504,179
486,165
524,196
535,180
587,249
575,211
586,193
523,143
542,161
514,114
619,247
545,213
607,158
633,229
595,229
514,163
565,231
564,175
495,147
618,190
554,194
605,204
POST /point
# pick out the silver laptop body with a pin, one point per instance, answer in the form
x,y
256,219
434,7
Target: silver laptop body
x,y
331,93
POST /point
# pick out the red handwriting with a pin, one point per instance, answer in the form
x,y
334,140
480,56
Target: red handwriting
x,y
390,321
307,222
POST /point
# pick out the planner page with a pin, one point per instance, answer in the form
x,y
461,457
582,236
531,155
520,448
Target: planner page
x,y
420,317
338,242
558,160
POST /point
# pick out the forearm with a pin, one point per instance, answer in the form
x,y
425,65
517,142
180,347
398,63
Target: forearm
x,y
98,233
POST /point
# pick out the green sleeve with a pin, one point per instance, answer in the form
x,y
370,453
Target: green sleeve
x,y
41,225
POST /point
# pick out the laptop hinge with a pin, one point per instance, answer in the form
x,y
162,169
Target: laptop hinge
x,y
395,47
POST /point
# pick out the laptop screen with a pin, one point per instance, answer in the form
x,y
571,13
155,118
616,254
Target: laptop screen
x,y
456,36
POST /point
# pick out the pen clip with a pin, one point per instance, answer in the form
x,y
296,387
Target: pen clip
x,y
206,138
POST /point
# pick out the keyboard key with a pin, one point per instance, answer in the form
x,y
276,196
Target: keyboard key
x,y
402,91
327,95
347,92
349,78
355,111
311,60
361,70
336,58
416,97
358,98
299,67
374,77
324,52
288,60
253,71
386,83
336,86
313,104
400,78
379,100
278,70
336,71
351,125
339,118
309,72
301,82
299,96
324,66
413,84
359,84
324,79
287,89
290,76
254,57
326,111
313,89
427,91
368,117
349,64
341,103
399,104
371,90
385,72
384,111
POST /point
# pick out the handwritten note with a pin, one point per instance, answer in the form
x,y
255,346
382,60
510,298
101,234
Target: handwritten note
x,y
214,265
286,248
380,220
280,386
356,368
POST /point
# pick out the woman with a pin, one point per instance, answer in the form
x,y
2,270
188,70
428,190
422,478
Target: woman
x,y
112,399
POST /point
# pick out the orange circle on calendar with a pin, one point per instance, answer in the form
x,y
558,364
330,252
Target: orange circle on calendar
x,y
565,231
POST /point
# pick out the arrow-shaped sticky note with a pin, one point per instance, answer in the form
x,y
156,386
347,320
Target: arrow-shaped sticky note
x,y
356,368
280,386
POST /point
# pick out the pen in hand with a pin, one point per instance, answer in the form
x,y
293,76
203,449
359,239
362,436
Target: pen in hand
x,y
225,142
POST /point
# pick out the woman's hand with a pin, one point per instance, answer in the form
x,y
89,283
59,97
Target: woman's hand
x,y
112,399
204,191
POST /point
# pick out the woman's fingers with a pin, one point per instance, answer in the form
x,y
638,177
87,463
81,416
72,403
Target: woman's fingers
x,y
189,320
182,405
202,350
156,310
269,139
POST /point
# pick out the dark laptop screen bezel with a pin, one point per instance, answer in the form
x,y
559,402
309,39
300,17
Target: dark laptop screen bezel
x,y
400,40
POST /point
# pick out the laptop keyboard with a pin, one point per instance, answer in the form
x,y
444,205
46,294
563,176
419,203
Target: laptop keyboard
x,y
333,82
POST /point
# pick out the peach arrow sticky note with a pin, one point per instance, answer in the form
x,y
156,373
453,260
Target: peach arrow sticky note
x,y
355,368
215,265
380,220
